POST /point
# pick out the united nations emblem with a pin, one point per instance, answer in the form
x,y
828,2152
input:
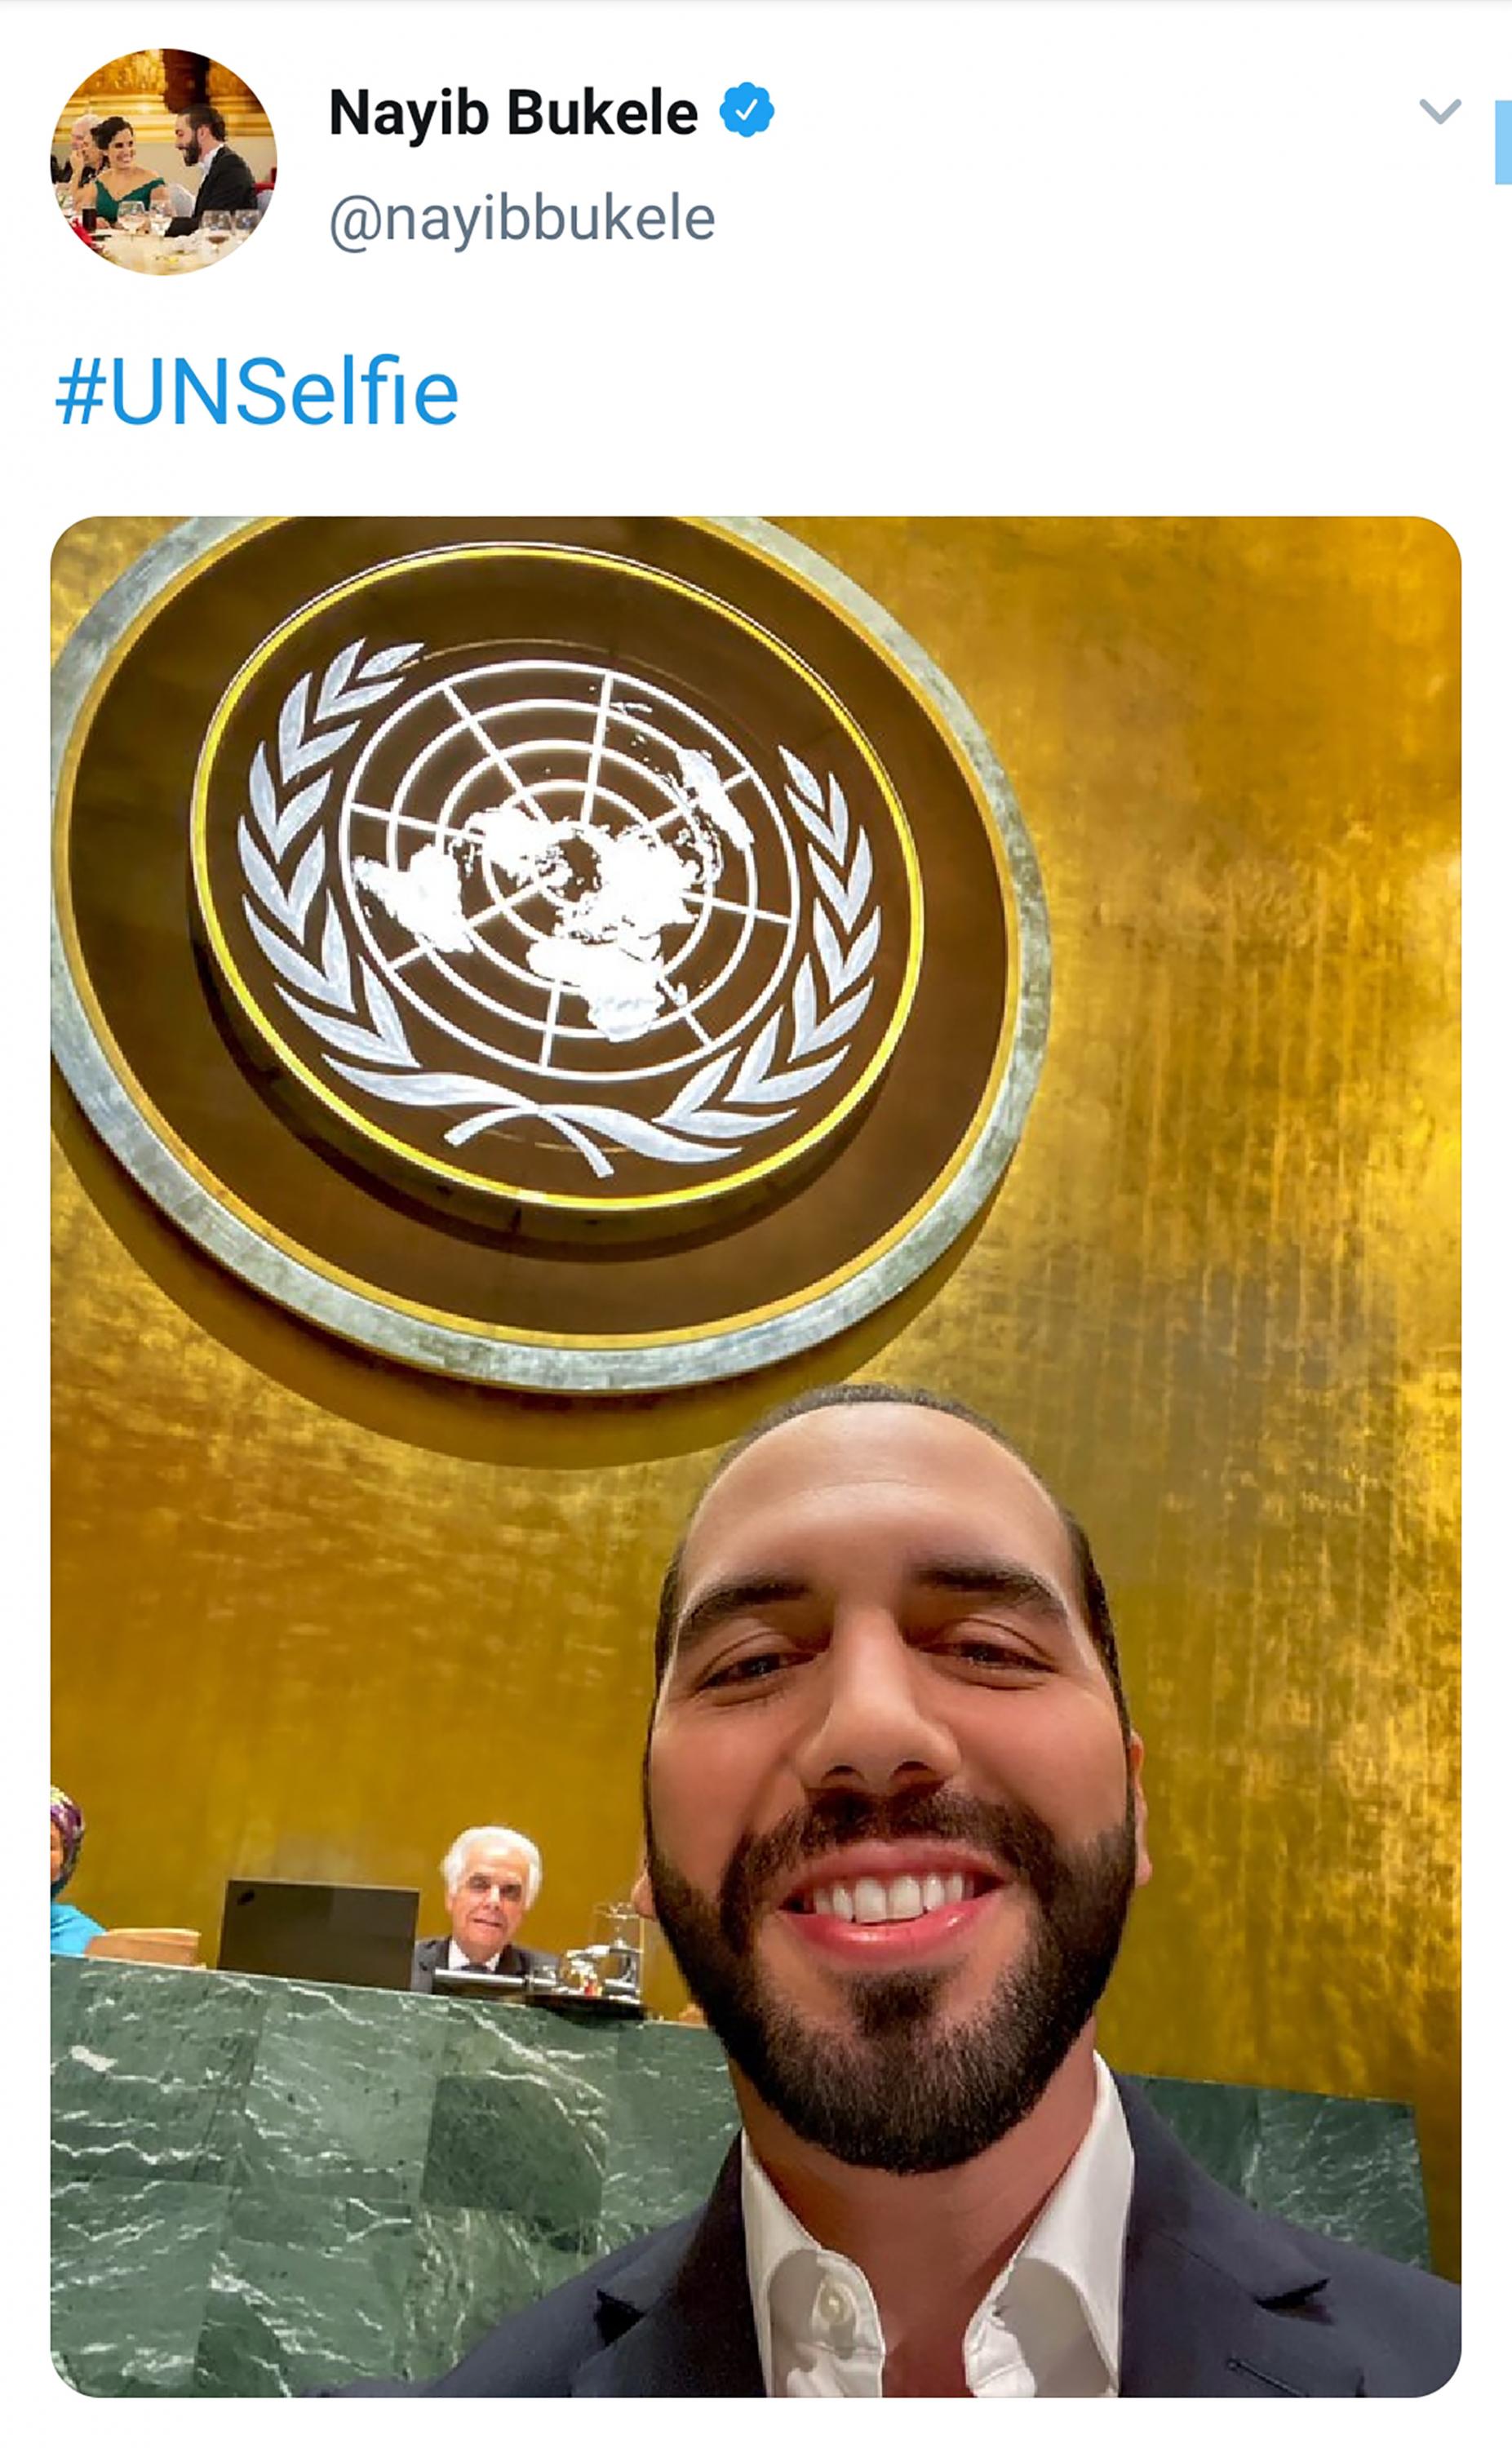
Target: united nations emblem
x,y
547,927
597,956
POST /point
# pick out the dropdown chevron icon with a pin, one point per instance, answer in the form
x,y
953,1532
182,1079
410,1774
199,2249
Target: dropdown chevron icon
x,y
1440,115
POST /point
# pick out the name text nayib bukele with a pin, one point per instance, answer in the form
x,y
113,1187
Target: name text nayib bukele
x,y
528,113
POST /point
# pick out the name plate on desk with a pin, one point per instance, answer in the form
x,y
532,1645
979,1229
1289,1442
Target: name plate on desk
x,y
513,1986
474,1982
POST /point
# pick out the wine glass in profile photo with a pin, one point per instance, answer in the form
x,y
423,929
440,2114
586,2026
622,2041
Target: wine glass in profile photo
x,y
132,218
244,223
64,195
215,228
160,217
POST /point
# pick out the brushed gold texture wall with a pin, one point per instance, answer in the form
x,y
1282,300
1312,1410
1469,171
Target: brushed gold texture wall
x,y
314,1614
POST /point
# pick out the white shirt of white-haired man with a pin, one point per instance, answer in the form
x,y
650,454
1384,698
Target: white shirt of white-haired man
x,y
492,1877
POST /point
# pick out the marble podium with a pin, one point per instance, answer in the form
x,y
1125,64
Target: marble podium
x,y
265,2186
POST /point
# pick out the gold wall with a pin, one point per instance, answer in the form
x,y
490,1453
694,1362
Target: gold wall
x,y
313,1614
149,88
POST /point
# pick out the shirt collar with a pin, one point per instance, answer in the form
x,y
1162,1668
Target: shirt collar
x,y
1022,2333
457,1961
790,2278
1081,2231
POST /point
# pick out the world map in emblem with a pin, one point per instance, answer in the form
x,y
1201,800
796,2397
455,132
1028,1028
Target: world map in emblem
x,y
558,928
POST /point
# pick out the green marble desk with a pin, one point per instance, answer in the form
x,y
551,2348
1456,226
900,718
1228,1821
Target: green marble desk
x,y
261,2184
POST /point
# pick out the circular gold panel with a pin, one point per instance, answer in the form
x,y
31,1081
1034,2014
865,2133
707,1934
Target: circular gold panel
x,y
593,954
509,855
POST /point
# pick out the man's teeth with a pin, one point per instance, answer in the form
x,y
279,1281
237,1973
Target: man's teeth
x,y
890,1899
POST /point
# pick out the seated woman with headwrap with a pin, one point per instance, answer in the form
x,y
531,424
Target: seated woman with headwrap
x,y
71,1929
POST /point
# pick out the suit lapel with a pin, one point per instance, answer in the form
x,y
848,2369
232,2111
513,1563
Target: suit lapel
x,y
677,2318
1217,2301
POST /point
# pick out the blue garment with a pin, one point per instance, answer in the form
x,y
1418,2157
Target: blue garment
x,y
72,1929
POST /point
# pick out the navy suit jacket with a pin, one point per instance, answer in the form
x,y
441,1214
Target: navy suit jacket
x,y
1219,2301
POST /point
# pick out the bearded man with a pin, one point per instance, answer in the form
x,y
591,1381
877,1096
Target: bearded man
x,y
894,1820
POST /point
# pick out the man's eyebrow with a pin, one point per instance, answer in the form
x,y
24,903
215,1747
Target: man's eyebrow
x,y
722,1600
1018,1584
968,1576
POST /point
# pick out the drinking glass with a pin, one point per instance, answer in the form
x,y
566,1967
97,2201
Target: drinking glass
x,y
159,219
132,218
215,228
244,223
64,195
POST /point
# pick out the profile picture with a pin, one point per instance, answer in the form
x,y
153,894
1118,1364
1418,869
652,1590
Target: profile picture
x,y
164,162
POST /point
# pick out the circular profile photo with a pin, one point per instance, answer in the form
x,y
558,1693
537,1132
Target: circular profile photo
x,y
164,162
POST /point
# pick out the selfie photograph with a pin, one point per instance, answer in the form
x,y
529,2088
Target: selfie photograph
x,y
754,1530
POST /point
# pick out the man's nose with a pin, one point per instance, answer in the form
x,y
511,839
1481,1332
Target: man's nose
x,y
875,1727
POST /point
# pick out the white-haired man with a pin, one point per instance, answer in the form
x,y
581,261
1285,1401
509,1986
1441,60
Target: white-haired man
x,y
85,157
492,1876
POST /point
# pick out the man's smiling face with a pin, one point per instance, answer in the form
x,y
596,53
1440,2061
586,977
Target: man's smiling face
x,y
893,1825
488,1901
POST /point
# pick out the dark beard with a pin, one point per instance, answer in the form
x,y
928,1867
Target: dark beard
x,y
895,2093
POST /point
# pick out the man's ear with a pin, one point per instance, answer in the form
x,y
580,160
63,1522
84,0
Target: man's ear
x,y
1143,1868
640,1896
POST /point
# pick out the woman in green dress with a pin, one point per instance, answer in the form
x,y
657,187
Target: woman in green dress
x,y
119,179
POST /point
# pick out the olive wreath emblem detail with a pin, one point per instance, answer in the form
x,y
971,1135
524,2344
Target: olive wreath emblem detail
x,y
326,980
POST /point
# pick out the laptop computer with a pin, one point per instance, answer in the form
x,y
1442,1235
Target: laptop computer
x,y
360,1936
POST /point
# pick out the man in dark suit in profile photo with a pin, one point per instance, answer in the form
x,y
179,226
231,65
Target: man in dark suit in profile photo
x,y
894,1822
226,183
492,1877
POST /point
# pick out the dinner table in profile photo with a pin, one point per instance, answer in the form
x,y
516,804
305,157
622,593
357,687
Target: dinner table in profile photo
x,y
141,214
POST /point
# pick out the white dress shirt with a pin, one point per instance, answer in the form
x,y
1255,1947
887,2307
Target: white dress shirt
x,y
1048,2325
457,1961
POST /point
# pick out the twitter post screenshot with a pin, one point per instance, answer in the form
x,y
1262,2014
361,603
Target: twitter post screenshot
x,y
742,730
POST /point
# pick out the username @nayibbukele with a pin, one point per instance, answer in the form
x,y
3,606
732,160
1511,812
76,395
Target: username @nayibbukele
x,y
360,221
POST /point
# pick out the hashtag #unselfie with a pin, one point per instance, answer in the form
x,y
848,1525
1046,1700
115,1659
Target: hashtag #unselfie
x,y
377,390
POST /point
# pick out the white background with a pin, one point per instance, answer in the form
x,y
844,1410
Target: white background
x,y
989,258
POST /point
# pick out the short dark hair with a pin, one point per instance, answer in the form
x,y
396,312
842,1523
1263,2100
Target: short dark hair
x,y
205,114
1090,1590
108,129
